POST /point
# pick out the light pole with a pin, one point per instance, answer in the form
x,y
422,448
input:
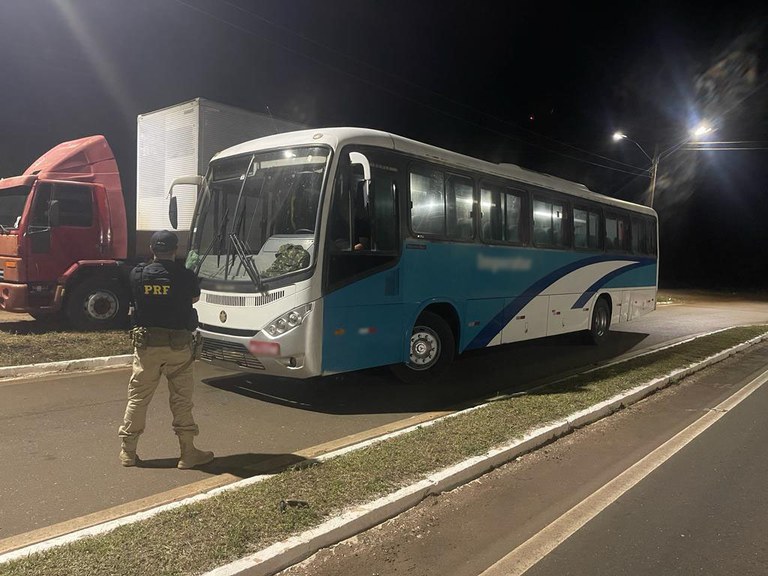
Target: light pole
x,y
701,130
654,160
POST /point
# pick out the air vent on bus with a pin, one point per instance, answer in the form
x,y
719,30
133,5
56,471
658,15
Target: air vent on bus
x,y
231,352
229,300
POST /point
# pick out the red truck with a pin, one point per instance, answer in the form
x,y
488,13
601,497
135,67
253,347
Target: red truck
x,y
63,236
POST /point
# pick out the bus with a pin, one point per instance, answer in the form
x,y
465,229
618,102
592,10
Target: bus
x,y
333,250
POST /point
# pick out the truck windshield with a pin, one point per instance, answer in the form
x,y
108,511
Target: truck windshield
x,y
12,202
266,204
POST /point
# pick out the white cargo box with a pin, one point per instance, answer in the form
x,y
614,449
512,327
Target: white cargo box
x,y
180,141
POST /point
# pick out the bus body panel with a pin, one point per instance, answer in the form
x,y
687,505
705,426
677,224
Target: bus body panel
x,y
363,324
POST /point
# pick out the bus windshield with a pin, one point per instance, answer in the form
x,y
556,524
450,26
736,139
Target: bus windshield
x,y
259,212
12,202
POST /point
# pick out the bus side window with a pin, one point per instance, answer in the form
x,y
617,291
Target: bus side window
x,y
617,233
363,223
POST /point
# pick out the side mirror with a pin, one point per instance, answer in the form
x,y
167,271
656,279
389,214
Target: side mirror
x,y
54,214
173,213
173,206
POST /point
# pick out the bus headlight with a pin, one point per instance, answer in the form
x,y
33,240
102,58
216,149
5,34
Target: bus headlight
x,y
288,321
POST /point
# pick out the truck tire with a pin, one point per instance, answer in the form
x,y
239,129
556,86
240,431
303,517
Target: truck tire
x,y
431,350
97,303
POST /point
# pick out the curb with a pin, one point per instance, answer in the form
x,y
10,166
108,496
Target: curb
x,y
65,366
295,549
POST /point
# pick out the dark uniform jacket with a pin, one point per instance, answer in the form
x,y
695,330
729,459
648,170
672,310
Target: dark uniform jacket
x,y
163,292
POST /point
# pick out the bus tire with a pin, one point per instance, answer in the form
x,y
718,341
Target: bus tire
x,y
97,303
601,322
431,350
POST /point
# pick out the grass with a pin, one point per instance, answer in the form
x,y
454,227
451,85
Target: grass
x,y
196,538
27,342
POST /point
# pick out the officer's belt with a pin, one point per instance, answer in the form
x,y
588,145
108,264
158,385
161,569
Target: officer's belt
x,y
144,337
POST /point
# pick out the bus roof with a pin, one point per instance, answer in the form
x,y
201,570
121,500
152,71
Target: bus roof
x,y
339,137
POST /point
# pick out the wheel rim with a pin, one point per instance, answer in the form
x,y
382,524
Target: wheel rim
x,y
101,305
425,348
601,321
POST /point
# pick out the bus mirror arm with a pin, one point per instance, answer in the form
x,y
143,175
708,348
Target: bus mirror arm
x,y
357,158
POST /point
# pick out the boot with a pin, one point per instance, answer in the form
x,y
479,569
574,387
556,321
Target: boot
x,y
128,451
191,456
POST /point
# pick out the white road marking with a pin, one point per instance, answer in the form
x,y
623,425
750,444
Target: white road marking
x,y
537,547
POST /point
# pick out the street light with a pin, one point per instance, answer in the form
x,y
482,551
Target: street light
x,y
617,136
702,129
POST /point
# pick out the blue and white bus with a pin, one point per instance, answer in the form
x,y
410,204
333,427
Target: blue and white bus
x,y
331,250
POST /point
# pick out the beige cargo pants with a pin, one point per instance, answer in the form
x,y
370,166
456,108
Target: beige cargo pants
x,y
149,364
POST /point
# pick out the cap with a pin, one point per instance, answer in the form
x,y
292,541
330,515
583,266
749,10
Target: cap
x,y
163,241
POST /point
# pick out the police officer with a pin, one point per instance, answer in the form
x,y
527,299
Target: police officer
x,y
163,320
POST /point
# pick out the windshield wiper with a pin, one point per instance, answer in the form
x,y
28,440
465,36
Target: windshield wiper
x,y
222,226
253,272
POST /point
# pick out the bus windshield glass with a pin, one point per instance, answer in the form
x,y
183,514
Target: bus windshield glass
x,y
12,202
258,211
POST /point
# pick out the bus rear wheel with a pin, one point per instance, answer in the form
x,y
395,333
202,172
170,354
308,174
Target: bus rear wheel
x,y
601,322
431,350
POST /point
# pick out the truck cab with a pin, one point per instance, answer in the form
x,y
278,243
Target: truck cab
x,y
63,236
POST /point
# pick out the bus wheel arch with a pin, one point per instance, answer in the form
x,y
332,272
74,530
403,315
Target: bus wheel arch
x,y
600,322
431,347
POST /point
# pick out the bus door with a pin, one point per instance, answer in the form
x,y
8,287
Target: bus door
x,y
362,310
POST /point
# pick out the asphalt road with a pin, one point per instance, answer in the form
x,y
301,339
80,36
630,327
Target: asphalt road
x,y
59,449
557,511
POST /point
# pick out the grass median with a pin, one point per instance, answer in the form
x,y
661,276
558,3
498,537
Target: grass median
x,y
198,537
28,342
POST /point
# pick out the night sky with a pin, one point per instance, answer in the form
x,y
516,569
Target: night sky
x,y
533,83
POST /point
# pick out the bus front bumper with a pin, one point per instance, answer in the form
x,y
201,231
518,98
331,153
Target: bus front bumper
x,y
295,354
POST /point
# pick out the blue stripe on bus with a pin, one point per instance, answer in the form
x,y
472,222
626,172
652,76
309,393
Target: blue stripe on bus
x,y
501,319
592,290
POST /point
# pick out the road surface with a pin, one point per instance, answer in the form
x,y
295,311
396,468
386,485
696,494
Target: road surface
x,y
60,445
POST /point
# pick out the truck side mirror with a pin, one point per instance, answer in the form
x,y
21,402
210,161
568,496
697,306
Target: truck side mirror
x,y
173,213
54,214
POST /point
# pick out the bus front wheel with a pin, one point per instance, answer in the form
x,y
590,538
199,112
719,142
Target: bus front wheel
x,y
430,351
601,322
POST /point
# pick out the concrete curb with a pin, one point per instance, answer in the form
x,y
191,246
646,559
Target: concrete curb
x,y
65,366
359,518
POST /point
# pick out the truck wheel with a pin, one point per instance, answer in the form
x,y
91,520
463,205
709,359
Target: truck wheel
x,y
430,352
601,322
97,303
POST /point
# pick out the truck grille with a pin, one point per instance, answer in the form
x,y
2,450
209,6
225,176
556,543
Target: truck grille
x,y
229,352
